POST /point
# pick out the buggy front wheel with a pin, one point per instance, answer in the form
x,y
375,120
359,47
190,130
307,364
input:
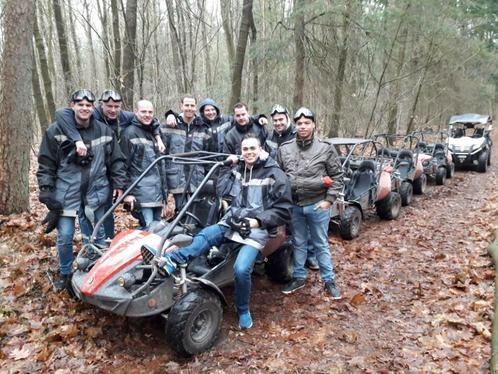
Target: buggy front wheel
x,y
194,322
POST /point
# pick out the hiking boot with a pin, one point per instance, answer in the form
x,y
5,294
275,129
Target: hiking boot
x,y
312,263
245,320
293,285
63,283
333,291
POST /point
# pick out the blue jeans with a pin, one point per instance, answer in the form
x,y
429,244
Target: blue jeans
x,y
311,225
65,234
109,221
214,235
151,214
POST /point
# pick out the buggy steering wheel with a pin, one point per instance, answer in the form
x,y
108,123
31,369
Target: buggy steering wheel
x,y
195,218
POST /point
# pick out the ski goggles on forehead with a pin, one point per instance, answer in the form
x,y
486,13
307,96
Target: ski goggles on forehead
x,y
110,95
279,109
83,95
304,112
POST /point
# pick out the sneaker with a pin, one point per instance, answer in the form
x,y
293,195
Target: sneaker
x,y
245,321
63,283
293,285
332,289
312,263
165,264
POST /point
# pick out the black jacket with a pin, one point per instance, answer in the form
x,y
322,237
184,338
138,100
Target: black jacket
x,y
75,184
261,192
233,138
140,149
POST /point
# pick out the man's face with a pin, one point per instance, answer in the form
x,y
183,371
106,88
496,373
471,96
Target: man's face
x,y
279,121
250,150
305,127
241,116
188,108
111,109
210,112
82,110
145,113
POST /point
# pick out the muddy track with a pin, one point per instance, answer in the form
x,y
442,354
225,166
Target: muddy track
x,y
417,291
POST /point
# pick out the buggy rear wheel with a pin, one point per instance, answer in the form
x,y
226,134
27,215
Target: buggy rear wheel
x,y
279,264
389,207
441,175
406,192
350,223
194,322
450,171
420,184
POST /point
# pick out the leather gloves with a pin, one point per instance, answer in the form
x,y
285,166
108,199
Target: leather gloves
x,y
241,225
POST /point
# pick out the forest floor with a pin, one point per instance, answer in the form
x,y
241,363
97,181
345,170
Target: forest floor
x,y
418,297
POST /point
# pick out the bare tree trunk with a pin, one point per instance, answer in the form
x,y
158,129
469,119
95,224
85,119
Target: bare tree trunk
x,y
89,32
207,57
64,50
300,53
38,96
77,49
105,39
175,49
117,81
341,69
45,74
255,72
411,117
392,119
240,52
226,8
129,53
15,140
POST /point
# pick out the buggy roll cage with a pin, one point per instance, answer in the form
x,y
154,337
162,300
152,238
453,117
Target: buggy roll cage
x,y
186,158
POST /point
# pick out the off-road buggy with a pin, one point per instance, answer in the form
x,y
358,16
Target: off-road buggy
x,y
436,159
470,142
368,184
119,280
407,163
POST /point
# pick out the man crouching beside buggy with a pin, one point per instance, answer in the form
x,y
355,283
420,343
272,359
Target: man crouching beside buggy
x,y
261,201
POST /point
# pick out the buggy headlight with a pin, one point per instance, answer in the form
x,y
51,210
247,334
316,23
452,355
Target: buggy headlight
x,y
126,280
426,163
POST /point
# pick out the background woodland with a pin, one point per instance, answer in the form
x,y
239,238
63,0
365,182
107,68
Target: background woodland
x,y
363,66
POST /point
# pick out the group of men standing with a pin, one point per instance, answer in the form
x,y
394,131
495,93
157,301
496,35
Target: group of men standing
x,y
90,155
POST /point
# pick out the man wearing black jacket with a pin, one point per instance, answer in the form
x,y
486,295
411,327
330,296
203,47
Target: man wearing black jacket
x,y
74,186
244,124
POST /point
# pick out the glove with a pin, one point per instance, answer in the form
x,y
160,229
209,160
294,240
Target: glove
x,y
46,197
241,225
135,212
51,219
327,181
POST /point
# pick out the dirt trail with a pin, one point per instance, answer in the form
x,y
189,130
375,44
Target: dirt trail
x,y
418,296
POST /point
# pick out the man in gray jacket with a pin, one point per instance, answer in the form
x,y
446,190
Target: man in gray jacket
x,y
316,178
78,186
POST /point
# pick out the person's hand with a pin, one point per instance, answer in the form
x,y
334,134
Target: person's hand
x,y
81,149
263,121
233,158
253,223
171,120
324,204
116,194
130,201
160,145
327,181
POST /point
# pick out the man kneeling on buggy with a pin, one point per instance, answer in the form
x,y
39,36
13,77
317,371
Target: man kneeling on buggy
x,y
260,202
